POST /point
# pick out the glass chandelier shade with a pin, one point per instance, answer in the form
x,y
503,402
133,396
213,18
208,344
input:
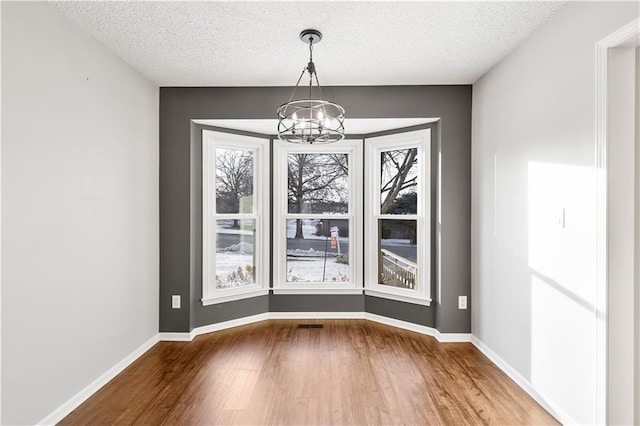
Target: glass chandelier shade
x,y
311,120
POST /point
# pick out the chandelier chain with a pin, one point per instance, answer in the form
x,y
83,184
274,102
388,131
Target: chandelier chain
x,y
294,90
319,88
315,73
311,67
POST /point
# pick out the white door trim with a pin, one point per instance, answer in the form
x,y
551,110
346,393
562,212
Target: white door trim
x,y
620,37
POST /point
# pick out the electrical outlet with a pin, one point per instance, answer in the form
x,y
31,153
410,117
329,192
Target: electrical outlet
x,y
175,301
462,302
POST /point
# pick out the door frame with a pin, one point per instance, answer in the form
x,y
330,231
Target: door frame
x,y
626,36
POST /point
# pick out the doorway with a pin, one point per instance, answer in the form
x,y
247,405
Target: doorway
x,y
618,163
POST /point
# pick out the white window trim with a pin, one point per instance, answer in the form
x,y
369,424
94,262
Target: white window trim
x,y
280,213
315,290
210,141
373,147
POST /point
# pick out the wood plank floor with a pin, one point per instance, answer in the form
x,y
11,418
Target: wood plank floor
x,y
349,372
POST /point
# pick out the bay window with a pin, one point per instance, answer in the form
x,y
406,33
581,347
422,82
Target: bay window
x,y
340,225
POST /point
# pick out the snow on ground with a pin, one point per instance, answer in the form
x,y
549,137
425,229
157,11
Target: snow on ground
x,y
242,247
302,265
395,242
227,265
309,253
308,269
308,230
299,269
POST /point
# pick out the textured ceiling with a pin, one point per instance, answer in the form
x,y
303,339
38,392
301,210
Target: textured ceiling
x,y
256,43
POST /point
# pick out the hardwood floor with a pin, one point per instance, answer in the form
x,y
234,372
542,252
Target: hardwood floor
x,y
349,372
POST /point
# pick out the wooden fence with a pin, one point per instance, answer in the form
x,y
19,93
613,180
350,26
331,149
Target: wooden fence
x,y
398,271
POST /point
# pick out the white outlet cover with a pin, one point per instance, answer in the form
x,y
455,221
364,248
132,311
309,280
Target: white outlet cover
x,y
175,301
462,302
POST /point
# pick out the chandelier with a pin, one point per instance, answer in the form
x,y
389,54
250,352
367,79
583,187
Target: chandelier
x,y
312,120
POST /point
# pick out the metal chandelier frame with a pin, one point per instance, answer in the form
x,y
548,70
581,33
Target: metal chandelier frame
x,y
310,121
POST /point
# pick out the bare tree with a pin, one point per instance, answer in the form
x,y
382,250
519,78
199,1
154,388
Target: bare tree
x,y
314,181
234,179
397,175
340,161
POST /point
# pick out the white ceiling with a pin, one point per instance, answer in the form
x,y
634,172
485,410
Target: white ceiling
x,y
223,43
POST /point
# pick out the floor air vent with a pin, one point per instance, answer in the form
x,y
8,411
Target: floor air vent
x,y
310,325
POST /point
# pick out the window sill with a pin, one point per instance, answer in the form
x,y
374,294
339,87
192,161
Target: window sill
x,y
317,290
231,297
398,297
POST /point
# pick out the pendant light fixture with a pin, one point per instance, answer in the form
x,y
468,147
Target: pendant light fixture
x,y
312,120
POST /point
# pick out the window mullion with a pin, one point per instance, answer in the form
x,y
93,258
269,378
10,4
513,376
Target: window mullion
x,y
233,216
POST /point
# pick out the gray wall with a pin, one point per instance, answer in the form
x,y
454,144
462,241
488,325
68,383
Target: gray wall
x,y
180,200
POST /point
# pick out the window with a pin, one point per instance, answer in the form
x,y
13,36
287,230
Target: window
x,y
235,216
335,229
397,257
317,218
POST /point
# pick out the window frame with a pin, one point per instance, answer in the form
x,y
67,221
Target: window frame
x,y
354,149
374,146
212,140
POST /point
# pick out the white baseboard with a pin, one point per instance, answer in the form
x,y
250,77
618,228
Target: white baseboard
x,y
422,329
187,337
316,315
175,337
453,337
429,331
85,393
559,414
229,324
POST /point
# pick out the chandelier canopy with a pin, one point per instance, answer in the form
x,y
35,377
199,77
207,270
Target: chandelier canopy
x,y
311,120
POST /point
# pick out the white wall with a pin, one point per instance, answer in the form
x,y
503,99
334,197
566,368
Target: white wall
x,y
533,207
79,211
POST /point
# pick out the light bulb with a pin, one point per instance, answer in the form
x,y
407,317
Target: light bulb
x,y
320,115
294,116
